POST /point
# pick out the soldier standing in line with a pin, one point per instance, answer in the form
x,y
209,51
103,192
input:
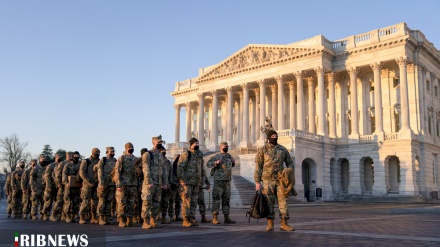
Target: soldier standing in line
x,y
8,190
89,187
58,179
221,168
191,174
140,177
269,163
37,187
175,200
201,201
26,188
17,193
166,193
71,194
126,186
50,192
155,179
106,186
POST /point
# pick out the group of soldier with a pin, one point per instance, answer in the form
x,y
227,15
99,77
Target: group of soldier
x,y
134,190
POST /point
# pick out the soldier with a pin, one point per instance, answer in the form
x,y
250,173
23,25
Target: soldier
x,y
175,200
106,186
140,177
201,201
191,174
71,193
221,169
50,192
17,193
126,186
58,179
166,193
89,187
37,187
8,190
155,179
26,188
268,165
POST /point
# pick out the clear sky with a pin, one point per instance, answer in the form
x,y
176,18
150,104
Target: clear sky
x,y
83,74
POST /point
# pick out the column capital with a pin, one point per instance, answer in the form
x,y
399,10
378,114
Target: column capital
x,y
244,86
310,81
228,89
214,92
331,75
291,85
261,82
177,107
402,61
200,95
209,106
240,95
256,91
421,66
279,78
273,88
353,71
376,66
188,105
298,74
319,70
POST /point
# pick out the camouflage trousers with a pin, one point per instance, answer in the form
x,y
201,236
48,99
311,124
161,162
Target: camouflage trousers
x,y
59,202
125,201
37,203
221,193
106,197
138,204
9,208
50,195
17,202
189,195
151,198
175,202
27,202
89,199
201,202
165,201
71,200
272,190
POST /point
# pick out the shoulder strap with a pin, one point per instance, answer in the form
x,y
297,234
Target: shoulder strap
x,y
151,156
88,163
189,155
104,160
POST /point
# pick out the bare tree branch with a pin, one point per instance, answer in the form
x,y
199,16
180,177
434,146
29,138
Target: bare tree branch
x,y
12,151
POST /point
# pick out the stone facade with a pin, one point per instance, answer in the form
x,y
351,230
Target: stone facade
x,y
388,145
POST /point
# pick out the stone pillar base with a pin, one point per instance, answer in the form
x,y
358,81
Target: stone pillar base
x,y
379,136
214,147
245,144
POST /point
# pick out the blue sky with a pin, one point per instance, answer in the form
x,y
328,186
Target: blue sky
x,y
83,74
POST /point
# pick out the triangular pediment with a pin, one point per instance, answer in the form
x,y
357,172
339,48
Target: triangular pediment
x,y
252,56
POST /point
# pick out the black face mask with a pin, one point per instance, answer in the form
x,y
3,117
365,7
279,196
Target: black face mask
x,y
130,151
96,156
159,146
196,148
273,141
42,163
75,160
225,150
111,155
59,160
22,166
164,154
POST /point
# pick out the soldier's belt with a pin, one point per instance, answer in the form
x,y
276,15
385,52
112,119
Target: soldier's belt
x,y
74,182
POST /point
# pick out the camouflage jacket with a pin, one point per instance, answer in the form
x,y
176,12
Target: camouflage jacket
x,y
105,171
49,175
191,171
224,170
25,180
16,178
125,174
70,169
269,161
154,168
169,170
8,186
36,178
58,172
87,172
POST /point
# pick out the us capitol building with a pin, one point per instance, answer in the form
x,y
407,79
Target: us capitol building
x,y
360,115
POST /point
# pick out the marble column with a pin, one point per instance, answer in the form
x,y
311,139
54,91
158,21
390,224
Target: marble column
x,y
311,104
291,105
280,110
404,101
257,114
201,125
239,114
245,143
262,84
300,97
177,125
321,98
273,89
354,104
377,97
188,121
332,104
214,126
229,117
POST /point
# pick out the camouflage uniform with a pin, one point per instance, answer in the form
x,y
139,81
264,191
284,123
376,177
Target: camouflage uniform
x,y
37,187
107,194
71,195
268,164
126,180
201,200
50,192
17,193
192,173
58,179
166,194
175,200
8,190
88,173
156,176
26,188
222,182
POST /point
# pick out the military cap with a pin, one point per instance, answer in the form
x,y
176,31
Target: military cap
x,y
109,149
225,144
270,133
128,145
157,138
95,150
192,141
143,150
34,160
76,152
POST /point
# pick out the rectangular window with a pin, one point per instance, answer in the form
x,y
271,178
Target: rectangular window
x,y
428,85
436,91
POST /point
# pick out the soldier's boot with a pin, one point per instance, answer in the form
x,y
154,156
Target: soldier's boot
x,y
63,217
9,215
136,219
204,219
186,222
108,220
54,217
94,219
14,215
269,226
68,218
25,216
102,220
193,221
34,217
285,226
75,217
215,219
172,218
146,224
229,220
45,217
177,218
82,219
153,222
129,222
164,219
121,221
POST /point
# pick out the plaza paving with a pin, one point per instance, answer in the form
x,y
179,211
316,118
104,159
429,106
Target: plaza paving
x,y
317,224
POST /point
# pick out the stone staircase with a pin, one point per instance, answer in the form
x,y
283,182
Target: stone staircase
x,y
385,198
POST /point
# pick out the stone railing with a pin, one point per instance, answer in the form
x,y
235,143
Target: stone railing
x,y
178,145
184,84
251,150
391,136
366,138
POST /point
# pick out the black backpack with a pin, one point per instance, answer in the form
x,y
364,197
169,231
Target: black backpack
x,y
259,207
